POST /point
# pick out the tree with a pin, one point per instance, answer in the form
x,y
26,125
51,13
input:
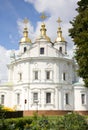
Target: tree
x,y
79,33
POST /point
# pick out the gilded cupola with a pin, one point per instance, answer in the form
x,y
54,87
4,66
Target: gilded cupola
x,y
25,38
59,38
43,30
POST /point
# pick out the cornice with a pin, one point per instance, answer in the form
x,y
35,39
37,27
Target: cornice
x,y
42,58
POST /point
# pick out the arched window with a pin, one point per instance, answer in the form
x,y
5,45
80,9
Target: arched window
x,y
25,49
18,98
60,49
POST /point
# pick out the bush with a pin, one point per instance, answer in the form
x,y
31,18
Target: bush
x,y
15,124
72,121
5,108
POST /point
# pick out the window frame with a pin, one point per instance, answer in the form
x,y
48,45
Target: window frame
x,y
48,97
83,99
35,97
64,76
20,76
48,75
25,49
18,98
42,50
36,75
60,49
2,99
67,98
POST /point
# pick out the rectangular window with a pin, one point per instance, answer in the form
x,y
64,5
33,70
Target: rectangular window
x,y
41,50
20,76
67,98
64,76
47,74
25,49
48,97
83,99
18,98
36,75
35,97
2,99
60,49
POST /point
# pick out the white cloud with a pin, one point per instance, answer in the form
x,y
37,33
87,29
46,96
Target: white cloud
x,y
4,59
58,7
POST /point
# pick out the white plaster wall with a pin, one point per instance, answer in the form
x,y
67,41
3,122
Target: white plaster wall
x,y
52,60
78,90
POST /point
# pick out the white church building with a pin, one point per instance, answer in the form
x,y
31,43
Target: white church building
x,y
43,76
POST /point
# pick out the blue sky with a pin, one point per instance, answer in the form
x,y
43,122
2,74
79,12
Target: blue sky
x,y
12,13
13,10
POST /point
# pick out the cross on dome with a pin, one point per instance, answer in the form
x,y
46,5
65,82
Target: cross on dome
x,y
25,38
25,21
43,29
43,16
59,21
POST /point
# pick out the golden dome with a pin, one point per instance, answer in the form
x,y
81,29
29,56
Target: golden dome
x,y
59,38
25,38
43,33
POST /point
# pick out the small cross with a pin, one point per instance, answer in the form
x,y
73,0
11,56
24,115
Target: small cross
x,y
25,21
59,21
43,16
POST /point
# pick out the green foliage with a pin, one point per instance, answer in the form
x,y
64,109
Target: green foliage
x,y
1,107
40,123
79,33
15,124
72,121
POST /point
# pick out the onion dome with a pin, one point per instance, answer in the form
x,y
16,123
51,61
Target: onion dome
x,y
43,33
59,38
25,38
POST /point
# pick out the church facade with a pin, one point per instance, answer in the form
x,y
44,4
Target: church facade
x,y
42,76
